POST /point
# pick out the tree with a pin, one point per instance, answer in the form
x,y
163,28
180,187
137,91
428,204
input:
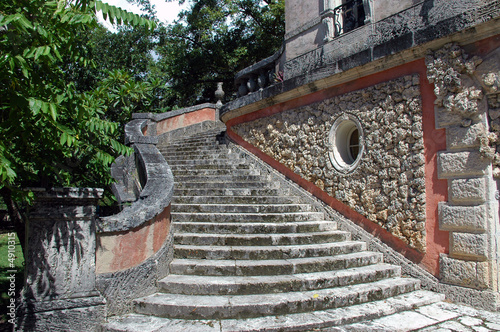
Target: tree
x,y
51,133
214,40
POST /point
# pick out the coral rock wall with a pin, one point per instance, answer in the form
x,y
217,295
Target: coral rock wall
x,y
388,185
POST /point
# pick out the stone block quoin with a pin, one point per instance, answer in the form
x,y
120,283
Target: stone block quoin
x,y
469,215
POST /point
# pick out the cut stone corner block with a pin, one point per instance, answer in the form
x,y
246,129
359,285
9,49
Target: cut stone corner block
x,y
461,164
466,273
459,137
462,218
469,246
467,191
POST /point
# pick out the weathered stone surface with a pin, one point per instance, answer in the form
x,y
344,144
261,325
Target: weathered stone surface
x,y
461,164
462,218
458,137
471,190
84,315
468,245
464,273
60,263
60,258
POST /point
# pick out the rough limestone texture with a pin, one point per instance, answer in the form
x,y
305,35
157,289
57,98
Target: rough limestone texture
x,y
462,218
468,245
488,74
464,273
388,186
472,190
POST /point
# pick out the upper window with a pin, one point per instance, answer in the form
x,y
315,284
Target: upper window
x,y
353,15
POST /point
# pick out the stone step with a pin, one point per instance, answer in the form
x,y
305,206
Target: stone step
x,y
241,208
256,239
192,148
247,217
221,178
198,162
193,143
230,167
257,305
235,200
202,172
304,321
230,192
244,285
268,252
273,267
172,157
204,184
195,139
215,172
254,228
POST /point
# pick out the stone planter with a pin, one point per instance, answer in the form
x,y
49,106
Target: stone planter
x,y
60,293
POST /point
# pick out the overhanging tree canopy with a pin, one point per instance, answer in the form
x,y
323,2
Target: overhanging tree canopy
x,y
213,40
50,132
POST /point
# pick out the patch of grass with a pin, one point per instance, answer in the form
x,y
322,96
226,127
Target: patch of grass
x,y
9,243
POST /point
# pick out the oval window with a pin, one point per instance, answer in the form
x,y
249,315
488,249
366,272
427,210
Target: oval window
x,y
346,146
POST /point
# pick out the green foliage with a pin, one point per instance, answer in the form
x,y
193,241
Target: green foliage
x,y
123,95
214,40
51,133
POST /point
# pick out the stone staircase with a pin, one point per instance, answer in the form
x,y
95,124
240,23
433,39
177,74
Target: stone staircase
x,y
250,256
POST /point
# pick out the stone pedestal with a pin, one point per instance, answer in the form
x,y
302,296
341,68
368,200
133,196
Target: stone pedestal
x,y
60,292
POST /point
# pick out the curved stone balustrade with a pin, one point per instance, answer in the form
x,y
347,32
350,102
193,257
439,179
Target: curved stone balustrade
x,y
134,246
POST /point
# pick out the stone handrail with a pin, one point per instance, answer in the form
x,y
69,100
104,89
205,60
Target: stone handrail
x,y
156,179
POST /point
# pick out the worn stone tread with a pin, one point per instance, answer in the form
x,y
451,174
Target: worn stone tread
x,y
232,285
268,239
253,228
241,208
255,305
229,192
268,252
256,217
273,266
221,178
307,321
236,199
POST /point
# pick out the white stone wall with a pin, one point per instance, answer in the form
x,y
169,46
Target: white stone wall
x,y
388,186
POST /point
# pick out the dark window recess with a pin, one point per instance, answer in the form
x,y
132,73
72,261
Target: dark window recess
x,y
352,16
354,145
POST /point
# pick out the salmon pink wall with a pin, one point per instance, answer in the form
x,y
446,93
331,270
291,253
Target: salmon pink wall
x,y
184,120
121,251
